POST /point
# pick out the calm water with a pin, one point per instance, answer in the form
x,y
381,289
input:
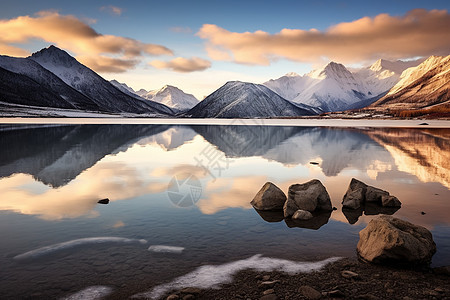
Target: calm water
x,y
190,187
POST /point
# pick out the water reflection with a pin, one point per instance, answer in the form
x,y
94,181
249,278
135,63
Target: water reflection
x,y
83,163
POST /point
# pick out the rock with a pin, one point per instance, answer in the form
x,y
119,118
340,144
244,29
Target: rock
x,y
265,277
374,194
269,297
269,197
390,240
349,274
390,201
309,196
188,297
445,270
359,193
355,195
268,284
191,290
173,297
302,215
103,201
309,292
336,294
269,291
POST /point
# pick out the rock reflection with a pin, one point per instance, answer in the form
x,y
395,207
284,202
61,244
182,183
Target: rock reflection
x,y
368,209
319,219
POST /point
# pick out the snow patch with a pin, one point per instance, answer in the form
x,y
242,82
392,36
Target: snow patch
x,y
165,249
210,276
74,243
90,293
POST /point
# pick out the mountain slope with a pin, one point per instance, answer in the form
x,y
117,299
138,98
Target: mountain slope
x,y
20,89
238,99
425,85
90,84
123,88
49,82
170,96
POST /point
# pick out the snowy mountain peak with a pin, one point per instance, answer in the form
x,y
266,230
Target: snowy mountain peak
x,y
55,56
333,70
291,74
171,96
394,66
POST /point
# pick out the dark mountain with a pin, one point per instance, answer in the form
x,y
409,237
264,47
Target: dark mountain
x,y
238,99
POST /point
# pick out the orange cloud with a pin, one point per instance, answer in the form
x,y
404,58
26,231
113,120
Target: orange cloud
x,y
417,33
100,52
183,65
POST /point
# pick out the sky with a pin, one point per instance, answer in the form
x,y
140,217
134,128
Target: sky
x,y
200,45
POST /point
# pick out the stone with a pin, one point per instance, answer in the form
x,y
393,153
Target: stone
x,y
173,297
268,284
309,196
269,291
374,194
309,292
302,215
188,297
336,294
269,197
103,201
266,277
349,274
388,240
390,201
355,195
359,195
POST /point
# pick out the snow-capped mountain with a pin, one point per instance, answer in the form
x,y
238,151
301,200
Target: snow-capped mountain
x,y
171,96
90,84
335,88
238,99
422,86
58,94
331,88
382,75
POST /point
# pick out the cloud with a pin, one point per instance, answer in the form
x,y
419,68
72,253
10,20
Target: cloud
x,y
183,65
107,53
417,33
114,10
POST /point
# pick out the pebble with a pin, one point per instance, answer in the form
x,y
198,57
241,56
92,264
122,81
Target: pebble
x,y
188,297
269,291
268,283
407,298
349,274
439,290
266,277
173,297
309,292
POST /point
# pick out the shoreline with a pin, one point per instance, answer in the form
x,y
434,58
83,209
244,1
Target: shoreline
x,y
324,122
371,282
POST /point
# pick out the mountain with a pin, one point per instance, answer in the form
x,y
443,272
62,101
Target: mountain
x,y
331,88
238,99
426,85
90,84
123,88
170,96
335,88
54,92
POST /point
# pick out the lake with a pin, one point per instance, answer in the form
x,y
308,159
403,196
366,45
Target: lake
x,y
179,198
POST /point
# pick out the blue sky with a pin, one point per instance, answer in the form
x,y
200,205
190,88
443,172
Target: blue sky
x,y
175,24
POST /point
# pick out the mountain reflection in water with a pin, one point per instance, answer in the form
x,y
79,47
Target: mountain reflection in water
x,y
77,163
